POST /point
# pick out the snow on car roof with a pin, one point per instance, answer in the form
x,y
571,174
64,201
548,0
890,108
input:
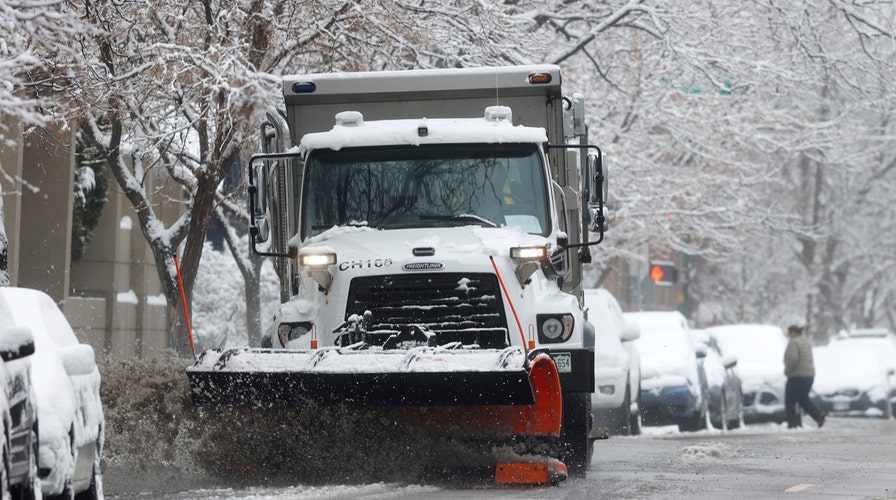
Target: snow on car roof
x,y
870,332
839,366
751,342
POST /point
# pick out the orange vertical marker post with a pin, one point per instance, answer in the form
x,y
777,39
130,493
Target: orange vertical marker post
x,y
183,297
531,337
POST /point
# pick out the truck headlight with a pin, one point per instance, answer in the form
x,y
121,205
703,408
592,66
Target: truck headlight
x,y
554,328
317,259
528,253
528,260
292,331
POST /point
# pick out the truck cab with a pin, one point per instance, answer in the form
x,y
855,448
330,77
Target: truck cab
x,y
417,209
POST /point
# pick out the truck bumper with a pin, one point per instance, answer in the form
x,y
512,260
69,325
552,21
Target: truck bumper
x,y
576,368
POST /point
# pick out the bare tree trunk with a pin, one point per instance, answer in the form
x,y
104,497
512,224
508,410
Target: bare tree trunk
x,y
250,269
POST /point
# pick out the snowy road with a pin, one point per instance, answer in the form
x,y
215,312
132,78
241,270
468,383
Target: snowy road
x,y
851,458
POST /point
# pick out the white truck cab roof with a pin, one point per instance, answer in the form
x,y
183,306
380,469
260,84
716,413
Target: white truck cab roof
x,y
351,130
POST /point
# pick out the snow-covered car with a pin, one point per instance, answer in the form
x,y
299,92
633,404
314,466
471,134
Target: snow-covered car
x,y
18,409
877,333
616,401
760,363
722,385
883,345
67,385
851,381
670,383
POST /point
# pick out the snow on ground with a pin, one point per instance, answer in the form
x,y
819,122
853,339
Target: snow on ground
x,y
367,492
705,452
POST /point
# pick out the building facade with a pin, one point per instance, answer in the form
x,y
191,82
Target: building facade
x,y
111,296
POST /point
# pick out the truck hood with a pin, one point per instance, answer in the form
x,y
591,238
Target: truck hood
x,y
363,247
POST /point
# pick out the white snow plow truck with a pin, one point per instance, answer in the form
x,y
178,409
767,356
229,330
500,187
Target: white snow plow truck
x,y
429,229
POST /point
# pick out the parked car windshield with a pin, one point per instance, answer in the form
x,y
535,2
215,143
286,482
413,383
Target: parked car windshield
x,y
488,185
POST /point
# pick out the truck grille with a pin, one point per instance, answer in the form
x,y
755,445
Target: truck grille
x,y
457,307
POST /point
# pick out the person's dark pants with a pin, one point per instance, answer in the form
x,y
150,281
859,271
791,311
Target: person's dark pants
x,y
797,392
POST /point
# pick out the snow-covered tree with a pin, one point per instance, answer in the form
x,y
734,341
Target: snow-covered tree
x,y
181,89
745,133
750,134
35,37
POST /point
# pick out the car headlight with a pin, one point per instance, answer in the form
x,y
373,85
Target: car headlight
x,y
291,331
554,328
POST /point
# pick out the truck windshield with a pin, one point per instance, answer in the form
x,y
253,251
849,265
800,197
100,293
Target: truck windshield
x,y
488,185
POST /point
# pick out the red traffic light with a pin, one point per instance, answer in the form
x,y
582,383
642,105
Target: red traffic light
x,y
664,274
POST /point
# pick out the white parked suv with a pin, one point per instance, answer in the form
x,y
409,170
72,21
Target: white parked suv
x,y
67,388
615,403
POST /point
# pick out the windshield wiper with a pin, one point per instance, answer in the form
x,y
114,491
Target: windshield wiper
x,y
461,218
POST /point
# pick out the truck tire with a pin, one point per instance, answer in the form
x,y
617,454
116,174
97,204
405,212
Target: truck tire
x,y
575,431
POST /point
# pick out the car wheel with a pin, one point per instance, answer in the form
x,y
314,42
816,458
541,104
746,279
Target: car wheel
x,y
95,490
621,420
738,422
723,413
698,421
888,410
67,492
575,432
635,419
707,416
691,424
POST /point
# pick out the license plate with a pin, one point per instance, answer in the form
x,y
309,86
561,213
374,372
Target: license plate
x,y
563,360
840,406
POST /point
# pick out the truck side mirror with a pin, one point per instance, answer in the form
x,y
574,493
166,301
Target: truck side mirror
x,y
597,219
258,188
262,230
258,199
597,190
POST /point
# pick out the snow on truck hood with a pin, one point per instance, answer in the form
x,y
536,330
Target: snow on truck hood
x,y
457,244
352,131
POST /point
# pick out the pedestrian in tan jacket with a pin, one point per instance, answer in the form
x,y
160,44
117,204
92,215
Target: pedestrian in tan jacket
x,y
800,371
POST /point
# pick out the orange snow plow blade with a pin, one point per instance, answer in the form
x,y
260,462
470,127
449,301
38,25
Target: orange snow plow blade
x,y
505,404
541,417
525,437
530,473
